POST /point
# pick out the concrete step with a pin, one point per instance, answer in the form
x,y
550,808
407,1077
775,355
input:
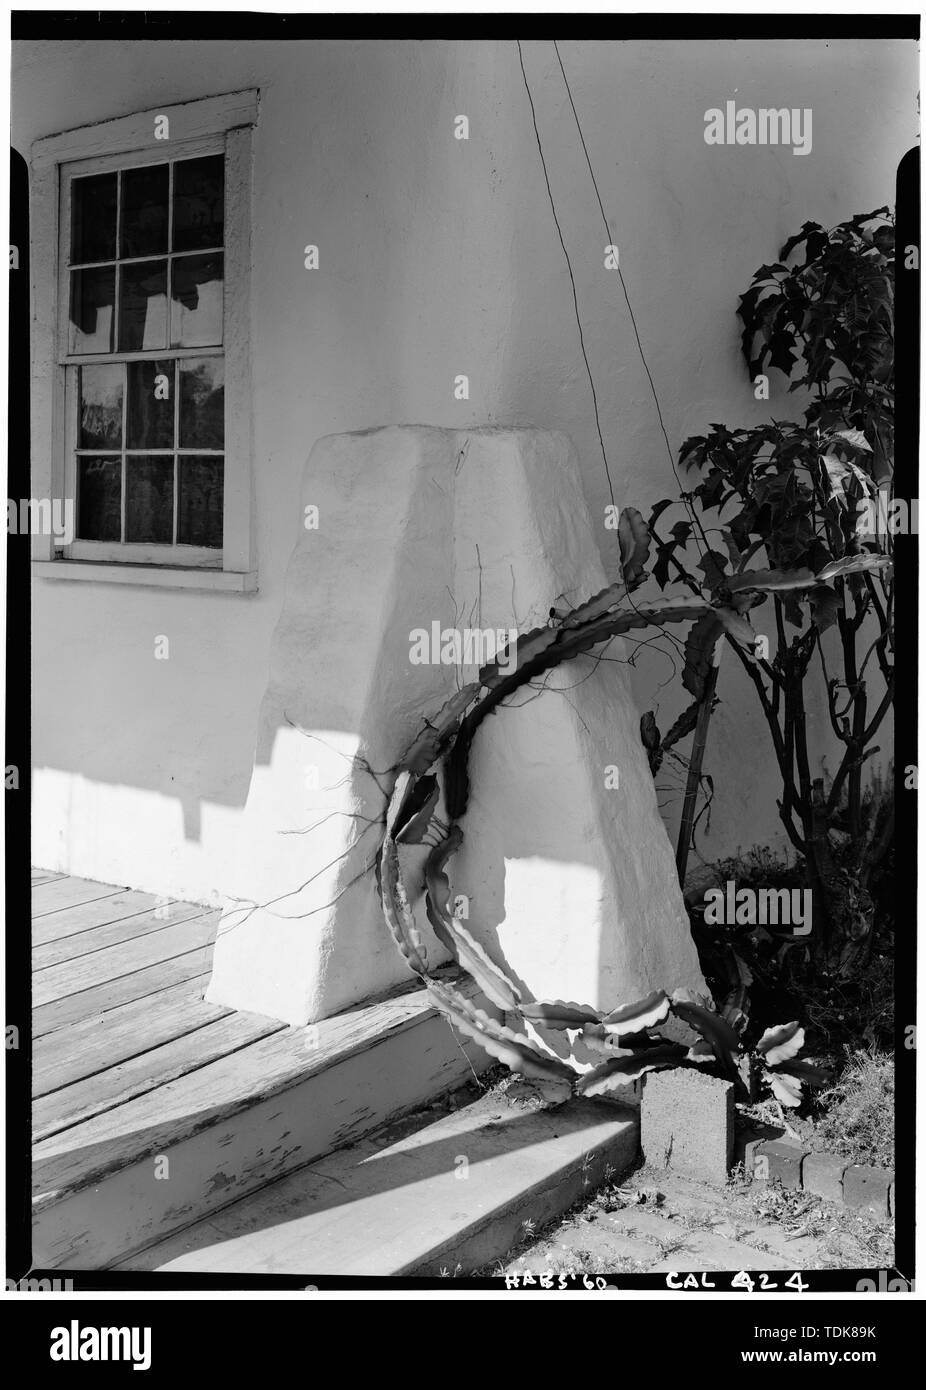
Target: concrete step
x,y
164,1139
457,1193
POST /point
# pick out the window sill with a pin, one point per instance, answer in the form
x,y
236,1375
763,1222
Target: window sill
x,y
151,576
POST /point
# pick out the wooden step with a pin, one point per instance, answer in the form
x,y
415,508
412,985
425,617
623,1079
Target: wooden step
x,y
142,1148
456,1194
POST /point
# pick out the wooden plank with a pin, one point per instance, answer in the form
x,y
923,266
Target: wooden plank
x,y
106,1039
230,1127
141,984
67,892
84,943
150,1071
45,876
67,921
126,958
520,1164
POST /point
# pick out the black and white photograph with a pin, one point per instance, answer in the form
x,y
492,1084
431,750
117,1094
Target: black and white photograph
x,y
461,613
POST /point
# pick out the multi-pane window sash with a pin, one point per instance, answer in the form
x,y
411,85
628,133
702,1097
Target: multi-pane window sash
x,y
144,246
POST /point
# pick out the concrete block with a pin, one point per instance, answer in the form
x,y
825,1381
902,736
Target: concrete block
x,y
867,1188
781,1161
822,1175
687,1124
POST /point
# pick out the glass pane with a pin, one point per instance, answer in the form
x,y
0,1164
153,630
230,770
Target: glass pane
x,y
93,219
143,306
196,301
200,520
144,211
100,424
149,420
99,488
93,294
202,403
199,203
149,498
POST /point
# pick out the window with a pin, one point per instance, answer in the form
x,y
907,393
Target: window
x,y
152,449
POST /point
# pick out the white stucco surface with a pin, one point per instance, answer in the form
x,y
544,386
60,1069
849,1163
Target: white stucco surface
x,y
439,257
569,878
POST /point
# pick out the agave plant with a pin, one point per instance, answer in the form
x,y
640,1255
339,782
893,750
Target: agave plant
x,y
627,1038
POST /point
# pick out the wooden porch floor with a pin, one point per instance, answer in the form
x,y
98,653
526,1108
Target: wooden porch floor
x,y
132,1067
118,1009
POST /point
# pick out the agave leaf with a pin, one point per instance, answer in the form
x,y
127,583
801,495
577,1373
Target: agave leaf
x,y
787,1089
634,539
633,1018
599,603
713,1029
516,1051
412,823
427,745
772,581
780,1043
684,724
557,1014
402,790
804,1072
853,564
451,933
528,646
625,1070
397,911
699,652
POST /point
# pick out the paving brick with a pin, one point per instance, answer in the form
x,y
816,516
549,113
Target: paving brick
x,y
747,1141
783,1162
822,1175
865,1187
704,1250
686,1124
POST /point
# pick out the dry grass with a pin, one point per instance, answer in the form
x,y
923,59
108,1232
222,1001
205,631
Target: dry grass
x,y
857,1119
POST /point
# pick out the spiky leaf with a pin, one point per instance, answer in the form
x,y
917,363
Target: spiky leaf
x,y
557,1014
451,933
772,581
699,652
633,1018
780,1043
715,1030
623,1071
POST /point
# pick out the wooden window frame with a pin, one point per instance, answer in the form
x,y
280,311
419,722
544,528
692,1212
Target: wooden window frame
x,y
214,125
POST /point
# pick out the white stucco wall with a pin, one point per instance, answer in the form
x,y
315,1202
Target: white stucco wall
x,y
438,257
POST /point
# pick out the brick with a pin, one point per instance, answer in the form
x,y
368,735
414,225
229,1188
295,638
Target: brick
x,y
686,1124
747,1142
867,1188
822,1175
784,1162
